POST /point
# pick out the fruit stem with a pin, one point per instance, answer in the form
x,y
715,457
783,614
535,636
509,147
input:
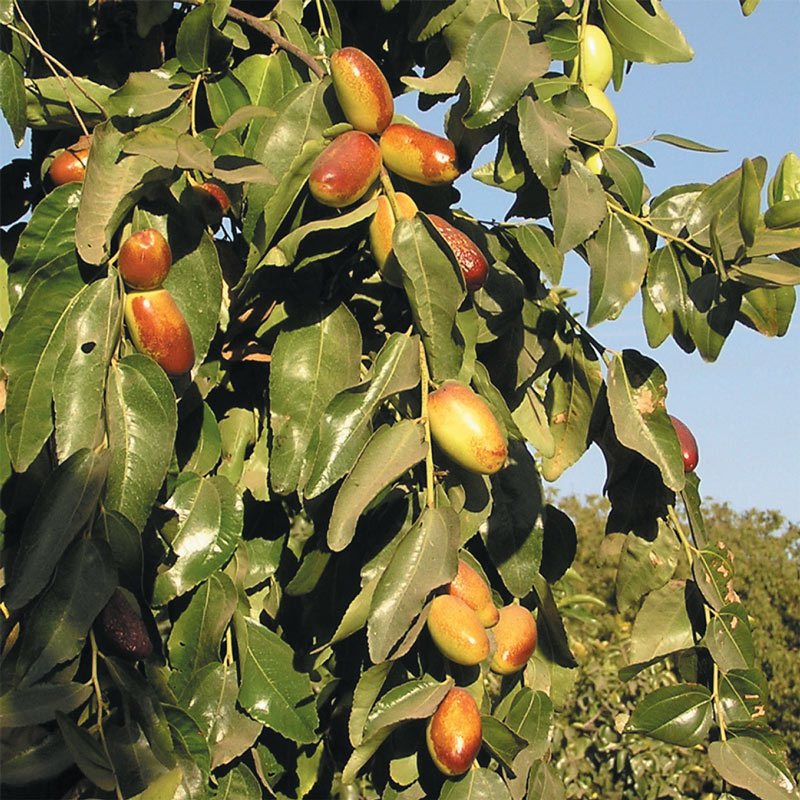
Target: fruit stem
x,y
386,183
424,384
323,27
688,547
193,104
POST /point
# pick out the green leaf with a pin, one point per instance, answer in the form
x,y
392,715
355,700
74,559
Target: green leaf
x,y
239,784
536,243
142,419
226,94
749,764
50,101
12,89
686,144
199,444
312,361
346,425
194,640
390,452
30,350
667,289
637,390
578,206
146,93
272,691
678,714
644,566
514,531
198,42
662,625
111,186
125,543
545,138
60,619
749,201
643,34
743,696
770,272
501,741
768,310
426,558
210,516
415,699
365,694
530,716
39,703
500,63
66,503
433,283
729,639
618,255
544,783
477,784
571,394
626,176
187,737
91,333
238,430
712,568
87,752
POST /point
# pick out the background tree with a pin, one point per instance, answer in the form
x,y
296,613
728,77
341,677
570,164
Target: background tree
x,y
228,529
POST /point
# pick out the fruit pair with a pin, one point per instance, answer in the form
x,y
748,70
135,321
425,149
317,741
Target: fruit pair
x,y
155,323
473,263
343,173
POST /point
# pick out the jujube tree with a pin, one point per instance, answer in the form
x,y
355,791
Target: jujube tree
x,y
236,498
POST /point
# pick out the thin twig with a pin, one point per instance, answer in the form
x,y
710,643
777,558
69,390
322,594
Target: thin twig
x,y
424,385
258,25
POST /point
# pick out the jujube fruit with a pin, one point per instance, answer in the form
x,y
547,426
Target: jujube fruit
x,y
688,444
470,587
214,201
362,90
381,229
159,329
345,169
465,429
144,259
68,166
598,100
123,628
516,635
454,732
456,631
419,156
473,263
595,62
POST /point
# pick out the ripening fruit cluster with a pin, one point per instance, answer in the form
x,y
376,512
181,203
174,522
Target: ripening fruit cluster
x,y
155,323
457,623
348,168
593,69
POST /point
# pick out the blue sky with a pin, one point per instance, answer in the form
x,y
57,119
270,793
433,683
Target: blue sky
x,y
739,93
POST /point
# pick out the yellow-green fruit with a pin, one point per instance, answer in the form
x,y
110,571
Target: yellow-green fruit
x,y
515,634
472,589
362,90
454,732
345,169
465,429
593,160
380,234
457,631
419,156
602,103
595,59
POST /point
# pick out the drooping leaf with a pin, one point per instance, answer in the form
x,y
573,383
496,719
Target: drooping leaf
x,y
390,452
729,639
749,764
578,206
712,567
425,559
39,703
662,625
743,696
87,752
12,88
50,101
199,43
501,741
530,716
545,138
678,714
147,92
626,176
538,247
142,419
226,94
272,690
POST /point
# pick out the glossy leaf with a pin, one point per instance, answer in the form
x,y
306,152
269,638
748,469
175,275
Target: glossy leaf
x,y
477,784
749,201
640,35
141,419
31,347
239,784
712,567
626,176
311,362
432,280
66,503
768,310
767,272
146,93
272,691
125,543
667,289
729,639
346,424
226,94
662,625
743,696
91,331
678,714
749,764
530,715
390,452
578,206
538,247
636,396
545,138
618,255
209,526
60,620
425,559
198,41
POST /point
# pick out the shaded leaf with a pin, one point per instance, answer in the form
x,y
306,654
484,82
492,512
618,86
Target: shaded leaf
x,y
39,703
578,207
545,138
501,741
477,784
662,625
